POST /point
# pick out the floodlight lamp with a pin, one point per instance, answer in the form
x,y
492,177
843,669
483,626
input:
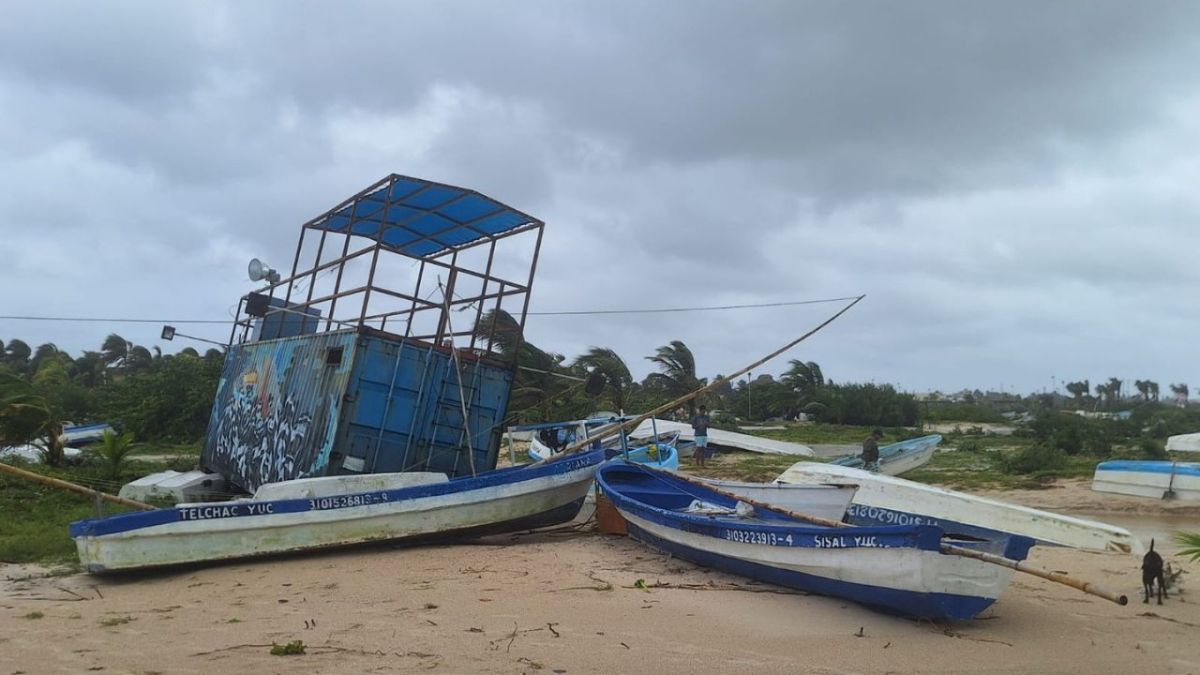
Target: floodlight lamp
x,y
168,332
259,270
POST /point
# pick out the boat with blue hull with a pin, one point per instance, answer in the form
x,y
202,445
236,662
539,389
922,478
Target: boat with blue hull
x,y
891,500
310,514
1155,479
548,439
896,569
896,458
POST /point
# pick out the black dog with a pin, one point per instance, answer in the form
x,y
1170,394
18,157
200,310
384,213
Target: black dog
x,y
1152,572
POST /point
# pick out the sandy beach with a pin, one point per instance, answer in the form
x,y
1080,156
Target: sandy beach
x,y
569,601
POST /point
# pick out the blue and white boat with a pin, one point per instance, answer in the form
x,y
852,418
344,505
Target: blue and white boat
x,y
896,569
315,513
1156,479
77,435
890,500
659,452
896,458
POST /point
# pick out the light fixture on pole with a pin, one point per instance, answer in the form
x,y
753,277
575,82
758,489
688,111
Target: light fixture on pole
x,y
169,333
259,271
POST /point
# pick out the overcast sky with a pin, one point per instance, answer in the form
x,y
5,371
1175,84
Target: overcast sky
x,y
1014,185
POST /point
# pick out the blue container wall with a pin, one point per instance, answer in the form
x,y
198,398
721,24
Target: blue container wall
x,y
404,411
278,407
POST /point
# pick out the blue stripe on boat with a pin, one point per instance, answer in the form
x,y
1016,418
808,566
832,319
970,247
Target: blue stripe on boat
x,y
125,522
890,600
1180,468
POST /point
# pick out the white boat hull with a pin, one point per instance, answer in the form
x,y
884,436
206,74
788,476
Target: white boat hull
x,y
887,500
227,530
1155,485
824,501
910,570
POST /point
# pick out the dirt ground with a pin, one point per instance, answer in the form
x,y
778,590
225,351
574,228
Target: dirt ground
x,y
569,601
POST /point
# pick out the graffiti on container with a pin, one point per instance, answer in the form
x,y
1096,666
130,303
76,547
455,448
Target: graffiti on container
x,y
276,410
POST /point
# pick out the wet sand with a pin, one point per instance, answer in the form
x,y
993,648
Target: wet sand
x,y
568,601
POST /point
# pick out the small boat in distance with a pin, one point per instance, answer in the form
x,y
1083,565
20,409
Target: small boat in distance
x,y
549,438
896,458
309,514
1155,479
897,569
889,500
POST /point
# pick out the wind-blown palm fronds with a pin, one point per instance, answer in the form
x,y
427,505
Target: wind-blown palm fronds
x,y
1190,541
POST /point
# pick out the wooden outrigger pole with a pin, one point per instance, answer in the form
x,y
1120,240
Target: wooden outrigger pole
x,y
606,431
73,487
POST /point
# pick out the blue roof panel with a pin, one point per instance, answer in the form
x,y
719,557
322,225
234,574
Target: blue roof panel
x,y
421,218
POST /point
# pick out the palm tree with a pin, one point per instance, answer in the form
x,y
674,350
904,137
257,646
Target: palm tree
x,y
1114,390
1143,387
608,363
1190,541
804,377
1079,389
114,449
26,416
17,354
88,369
1181,392
139,359
678,368
115,349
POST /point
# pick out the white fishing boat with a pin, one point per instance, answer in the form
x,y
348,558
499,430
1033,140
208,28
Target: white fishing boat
x,y
888,500
309,514
823,501
1184,443
1155,479
721,439
897,458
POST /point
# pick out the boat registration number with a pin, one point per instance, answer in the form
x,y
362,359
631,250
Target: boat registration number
x,y
763,538
347,501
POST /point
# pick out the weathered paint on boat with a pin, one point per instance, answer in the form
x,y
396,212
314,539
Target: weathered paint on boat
x,y
888,500
897,458
498,501
1149,479
894,569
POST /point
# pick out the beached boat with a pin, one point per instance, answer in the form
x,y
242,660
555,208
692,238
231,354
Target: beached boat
x,y
83,434
658,451
719,439
317,513
1184,443
897,569
896,458
1157,479
888,500
823,501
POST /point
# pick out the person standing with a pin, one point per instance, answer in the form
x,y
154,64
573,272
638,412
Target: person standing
x,y
870,451
700,432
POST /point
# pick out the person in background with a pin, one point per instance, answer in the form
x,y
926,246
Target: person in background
x,y
870,451
700,431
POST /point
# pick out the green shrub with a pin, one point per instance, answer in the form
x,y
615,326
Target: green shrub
x,y
970,445
1031,459
1152,448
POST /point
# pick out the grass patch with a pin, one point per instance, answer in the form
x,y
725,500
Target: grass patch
x,y
34,615
116,621
36,518
747,466
833,434
293,648
176,449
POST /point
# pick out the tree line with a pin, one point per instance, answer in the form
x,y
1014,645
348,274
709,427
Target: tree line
x,y
150,395
168,397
